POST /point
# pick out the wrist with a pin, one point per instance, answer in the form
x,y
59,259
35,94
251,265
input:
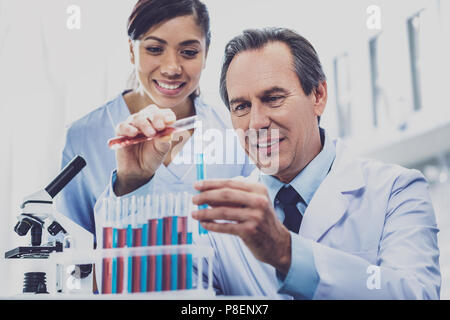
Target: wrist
x,y
285,258
126,184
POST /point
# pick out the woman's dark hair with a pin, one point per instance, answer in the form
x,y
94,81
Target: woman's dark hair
x,y
148,13
306,61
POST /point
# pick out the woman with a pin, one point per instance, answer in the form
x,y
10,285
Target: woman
x,y
169,41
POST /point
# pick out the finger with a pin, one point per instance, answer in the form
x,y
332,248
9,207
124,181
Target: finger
x,y
125,129
159,118
162,145
222,213
228,228
230,183
142,122
230,197
169,116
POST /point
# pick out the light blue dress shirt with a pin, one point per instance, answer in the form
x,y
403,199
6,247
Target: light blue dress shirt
x,y
88,137
302,279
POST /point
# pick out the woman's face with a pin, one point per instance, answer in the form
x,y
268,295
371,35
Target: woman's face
x,y
169,60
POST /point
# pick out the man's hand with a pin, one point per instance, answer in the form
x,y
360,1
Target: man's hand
x,y
248,213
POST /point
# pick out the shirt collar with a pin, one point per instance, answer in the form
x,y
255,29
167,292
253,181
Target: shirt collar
x,y
309,179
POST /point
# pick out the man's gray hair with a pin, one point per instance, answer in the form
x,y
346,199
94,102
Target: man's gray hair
x,y
306,61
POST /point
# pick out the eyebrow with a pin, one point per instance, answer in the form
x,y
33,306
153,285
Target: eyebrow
x,y
237,100
263,94
273,90
184,43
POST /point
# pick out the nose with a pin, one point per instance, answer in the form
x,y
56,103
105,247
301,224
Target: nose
x,y
259,119
170,65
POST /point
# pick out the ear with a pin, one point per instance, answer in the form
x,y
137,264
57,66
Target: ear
x,y
132,56
320,98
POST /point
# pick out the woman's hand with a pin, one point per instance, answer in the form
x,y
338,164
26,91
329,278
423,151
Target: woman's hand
x,y
137,164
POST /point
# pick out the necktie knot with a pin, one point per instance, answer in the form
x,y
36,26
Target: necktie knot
x,y
288,196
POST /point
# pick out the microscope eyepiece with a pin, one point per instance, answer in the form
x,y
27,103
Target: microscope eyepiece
x,y
66,175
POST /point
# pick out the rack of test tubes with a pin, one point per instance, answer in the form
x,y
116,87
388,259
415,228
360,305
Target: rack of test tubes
x,y
145,246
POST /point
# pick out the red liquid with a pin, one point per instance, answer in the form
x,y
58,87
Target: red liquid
x,y
107,262
137,242
121,261
166,257
121,142
151,269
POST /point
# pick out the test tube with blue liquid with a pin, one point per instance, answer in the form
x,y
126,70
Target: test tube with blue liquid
x,y
143,221
200,165
115,214
128,217
159,242
121,243
190,230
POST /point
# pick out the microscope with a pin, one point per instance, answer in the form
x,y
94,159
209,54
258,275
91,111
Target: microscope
x,y
50,231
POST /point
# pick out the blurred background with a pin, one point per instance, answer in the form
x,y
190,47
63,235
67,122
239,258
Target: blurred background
x,y
386,61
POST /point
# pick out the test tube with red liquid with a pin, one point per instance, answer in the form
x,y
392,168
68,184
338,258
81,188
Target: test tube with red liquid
x,y
180,125
152,240
107,241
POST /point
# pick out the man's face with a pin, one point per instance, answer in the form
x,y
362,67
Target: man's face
x,y
265,93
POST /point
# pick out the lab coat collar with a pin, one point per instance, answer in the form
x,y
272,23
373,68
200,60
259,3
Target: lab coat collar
x,y
331,200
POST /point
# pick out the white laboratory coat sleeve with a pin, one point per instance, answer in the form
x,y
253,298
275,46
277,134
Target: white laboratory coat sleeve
x,y
406,263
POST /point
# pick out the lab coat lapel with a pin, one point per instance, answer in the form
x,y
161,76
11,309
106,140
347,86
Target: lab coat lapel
x,y
331,199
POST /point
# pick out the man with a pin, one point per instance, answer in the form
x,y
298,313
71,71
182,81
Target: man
x,y
326,225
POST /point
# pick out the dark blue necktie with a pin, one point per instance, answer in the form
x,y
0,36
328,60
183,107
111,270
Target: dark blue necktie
x,y
288,198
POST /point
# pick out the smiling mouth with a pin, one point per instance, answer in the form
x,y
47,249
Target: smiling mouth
x,y
266,144
167,86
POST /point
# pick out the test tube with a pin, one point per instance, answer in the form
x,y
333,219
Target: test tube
x,y
121,243
180,204
128,222
159,242
107,244
114,220
188,206
200,165
168,221
143,218
180,125
137,241
152,240
174,240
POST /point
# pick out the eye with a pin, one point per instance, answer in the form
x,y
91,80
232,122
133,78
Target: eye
x,y
189,53
154,50
274,98
241,109
274,101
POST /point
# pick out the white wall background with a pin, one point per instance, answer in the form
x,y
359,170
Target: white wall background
x,y
51,76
